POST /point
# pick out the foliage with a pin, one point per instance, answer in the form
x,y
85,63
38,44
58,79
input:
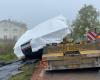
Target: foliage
x,y
86,18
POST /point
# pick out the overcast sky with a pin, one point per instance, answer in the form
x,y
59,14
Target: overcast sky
x,y
33,12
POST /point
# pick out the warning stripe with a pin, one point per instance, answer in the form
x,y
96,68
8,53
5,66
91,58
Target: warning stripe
x,y
89,38
91,35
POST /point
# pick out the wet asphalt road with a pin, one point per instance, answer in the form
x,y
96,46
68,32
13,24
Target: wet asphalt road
x,y
8,70
11,69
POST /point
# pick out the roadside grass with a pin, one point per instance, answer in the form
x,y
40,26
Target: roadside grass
x,y
26,74
7,57
6,51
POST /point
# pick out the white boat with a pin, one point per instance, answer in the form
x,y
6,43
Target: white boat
x,y
31,43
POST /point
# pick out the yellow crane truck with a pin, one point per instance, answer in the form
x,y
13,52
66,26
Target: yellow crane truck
x,y
68,55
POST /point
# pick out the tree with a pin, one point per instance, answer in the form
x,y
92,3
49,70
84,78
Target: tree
x,y
86,18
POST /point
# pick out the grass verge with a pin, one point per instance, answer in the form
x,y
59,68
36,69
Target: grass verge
x,y
26,74
6,52
7,57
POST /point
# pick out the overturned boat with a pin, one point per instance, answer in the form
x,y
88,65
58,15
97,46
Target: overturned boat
x,y
32,42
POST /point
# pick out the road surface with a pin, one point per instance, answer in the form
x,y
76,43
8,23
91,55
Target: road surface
x,y
40,74
9,70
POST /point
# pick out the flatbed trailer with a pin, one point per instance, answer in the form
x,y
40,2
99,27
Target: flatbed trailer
x,y
71,56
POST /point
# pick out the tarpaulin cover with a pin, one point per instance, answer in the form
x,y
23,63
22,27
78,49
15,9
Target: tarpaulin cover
x,y
50,31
